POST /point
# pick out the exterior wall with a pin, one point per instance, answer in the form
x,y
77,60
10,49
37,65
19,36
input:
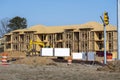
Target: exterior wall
x,y
76,42
1,44
17,41
99,41
7,43
111,42
115,41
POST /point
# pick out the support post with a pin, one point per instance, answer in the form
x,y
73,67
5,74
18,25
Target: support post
x,y
118,27
105,61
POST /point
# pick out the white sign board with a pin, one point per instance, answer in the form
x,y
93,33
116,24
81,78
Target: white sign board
x,y
62,52
77,56
47,52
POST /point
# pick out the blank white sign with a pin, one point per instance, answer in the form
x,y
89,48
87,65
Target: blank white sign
x,y
47,52
77,56
62,52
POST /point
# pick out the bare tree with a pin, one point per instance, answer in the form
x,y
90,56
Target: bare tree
x,y
4,26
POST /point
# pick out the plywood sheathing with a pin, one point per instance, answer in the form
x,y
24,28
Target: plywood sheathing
x,y
56,29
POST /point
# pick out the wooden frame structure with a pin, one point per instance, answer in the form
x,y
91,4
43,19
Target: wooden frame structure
x,y
79,38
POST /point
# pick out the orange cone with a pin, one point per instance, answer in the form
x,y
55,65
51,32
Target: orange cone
x,y
69,60
4,58
109,57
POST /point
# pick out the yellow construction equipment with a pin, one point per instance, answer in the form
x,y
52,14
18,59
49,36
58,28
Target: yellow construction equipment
x,y
32,47
36,43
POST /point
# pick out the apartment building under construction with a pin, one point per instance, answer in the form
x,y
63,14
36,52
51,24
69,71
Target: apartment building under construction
x,y
79,38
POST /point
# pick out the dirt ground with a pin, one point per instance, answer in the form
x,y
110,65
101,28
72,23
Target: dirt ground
x,y
55,71
45,68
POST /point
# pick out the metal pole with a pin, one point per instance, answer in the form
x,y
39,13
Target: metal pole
x,y
118,27
104,40
104,43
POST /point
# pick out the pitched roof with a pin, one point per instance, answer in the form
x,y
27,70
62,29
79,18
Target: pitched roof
x,y
95,26
57,29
